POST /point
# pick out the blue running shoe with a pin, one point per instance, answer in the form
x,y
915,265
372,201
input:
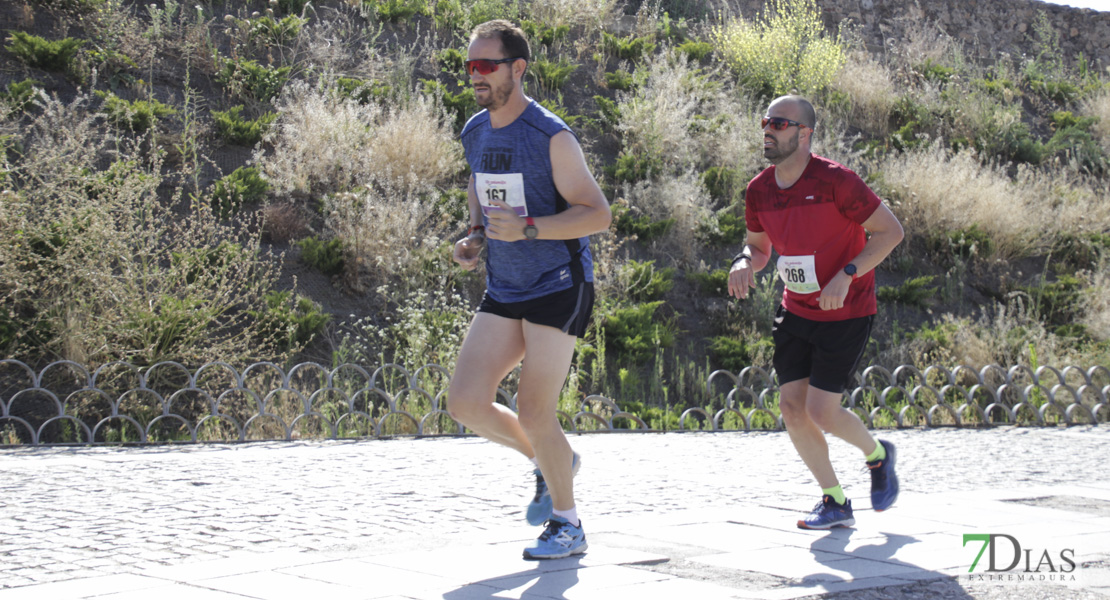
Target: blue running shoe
x,y
828,514
539,510
884,483
559,540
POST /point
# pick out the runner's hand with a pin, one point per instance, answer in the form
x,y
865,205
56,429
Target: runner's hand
x,y
504,224
833,295
741,278
467,250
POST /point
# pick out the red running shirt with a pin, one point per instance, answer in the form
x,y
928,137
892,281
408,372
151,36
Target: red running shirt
x,y
821,215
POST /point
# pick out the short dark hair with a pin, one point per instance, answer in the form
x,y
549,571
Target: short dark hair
x,y
809,116
512,38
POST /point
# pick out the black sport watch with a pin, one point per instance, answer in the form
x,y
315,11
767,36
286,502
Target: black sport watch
x,y
851,270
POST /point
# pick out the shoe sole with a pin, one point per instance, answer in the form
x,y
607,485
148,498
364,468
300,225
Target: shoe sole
x,y
891,455
846,523
576,463
578,550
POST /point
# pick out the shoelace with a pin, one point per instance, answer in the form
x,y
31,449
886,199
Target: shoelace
x,y
541,488
553,528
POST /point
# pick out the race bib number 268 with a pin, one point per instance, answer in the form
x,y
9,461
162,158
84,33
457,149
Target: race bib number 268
x,y
799,273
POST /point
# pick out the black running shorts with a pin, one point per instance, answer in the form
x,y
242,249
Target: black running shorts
x,y
568,311
827,352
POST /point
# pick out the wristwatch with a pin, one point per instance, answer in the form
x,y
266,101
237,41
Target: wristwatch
x,y
851,270
530,230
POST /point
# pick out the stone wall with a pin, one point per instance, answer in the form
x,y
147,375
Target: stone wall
x,y
986,27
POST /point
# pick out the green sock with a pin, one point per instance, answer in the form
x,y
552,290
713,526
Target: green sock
x,y
878,454
837,494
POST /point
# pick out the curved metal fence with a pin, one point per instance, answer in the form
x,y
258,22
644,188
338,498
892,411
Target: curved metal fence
x,y
120,403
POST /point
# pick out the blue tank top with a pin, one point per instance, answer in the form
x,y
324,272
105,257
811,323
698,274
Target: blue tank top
x,y
513,164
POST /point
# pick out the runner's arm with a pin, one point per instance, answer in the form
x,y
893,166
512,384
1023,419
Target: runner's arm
x,y
588,211
741,276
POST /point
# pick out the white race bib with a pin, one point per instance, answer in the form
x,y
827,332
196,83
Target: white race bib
x,y
506,187
799,273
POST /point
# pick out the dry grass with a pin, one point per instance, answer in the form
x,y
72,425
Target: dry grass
x,y
572,12
868,87
95,267
324,144
935,190
1098,106
680,197
284,222
1096,300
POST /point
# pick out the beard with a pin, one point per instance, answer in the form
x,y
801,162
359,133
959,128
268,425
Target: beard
x,y
782,150
497,96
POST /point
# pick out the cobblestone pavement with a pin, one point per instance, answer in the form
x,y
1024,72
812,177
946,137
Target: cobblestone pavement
x,y
700,514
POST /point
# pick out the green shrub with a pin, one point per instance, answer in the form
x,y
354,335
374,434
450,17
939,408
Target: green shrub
x,y
234,129
724,185
34,51
935,72
543,35
696,51
561,111
462,103
619,80
363,92
269,30
1073,138
608,110
392,11
19,94
1059,302
195,264
452,61
248,79
632,167
325,256
966,243
911,292
643,282
139,116
635,333
549,75
643,227
670,30
290,323
713,283
244,185
784,50
734,353
464,15
627,48
727,229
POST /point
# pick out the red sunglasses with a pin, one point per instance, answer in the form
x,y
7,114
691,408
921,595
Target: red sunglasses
x,y
485,66
779,123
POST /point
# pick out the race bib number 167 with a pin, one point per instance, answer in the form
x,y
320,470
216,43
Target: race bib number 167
x,y
504,187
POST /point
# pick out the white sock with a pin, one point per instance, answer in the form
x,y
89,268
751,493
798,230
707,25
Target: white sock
x,y
535,462
571,516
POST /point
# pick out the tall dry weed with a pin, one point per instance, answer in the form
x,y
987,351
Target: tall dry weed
x,y
95,267
681,197
324,144
572,12
936,190
867,94
1098,105
1096,303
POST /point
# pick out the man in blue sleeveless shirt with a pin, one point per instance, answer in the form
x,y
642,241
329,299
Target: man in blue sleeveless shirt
x,y
533,198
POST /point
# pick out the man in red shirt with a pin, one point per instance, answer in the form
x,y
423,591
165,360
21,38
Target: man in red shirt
x,y
816,213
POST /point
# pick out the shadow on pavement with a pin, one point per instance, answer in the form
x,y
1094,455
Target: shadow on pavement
x,y
830,549
552,583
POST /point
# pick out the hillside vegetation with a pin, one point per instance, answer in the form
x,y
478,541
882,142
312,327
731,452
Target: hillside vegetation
x,y
282,181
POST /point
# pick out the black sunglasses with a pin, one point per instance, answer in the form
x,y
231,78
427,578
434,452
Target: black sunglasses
x,y
779,123
485,66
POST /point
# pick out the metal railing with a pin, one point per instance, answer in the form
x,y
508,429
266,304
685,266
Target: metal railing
x,y
64,403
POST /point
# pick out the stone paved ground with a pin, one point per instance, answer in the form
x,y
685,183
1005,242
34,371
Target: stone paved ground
x,y
694,514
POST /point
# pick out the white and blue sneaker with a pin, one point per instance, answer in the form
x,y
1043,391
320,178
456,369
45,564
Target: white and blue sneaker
x,y
559,540
539,509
